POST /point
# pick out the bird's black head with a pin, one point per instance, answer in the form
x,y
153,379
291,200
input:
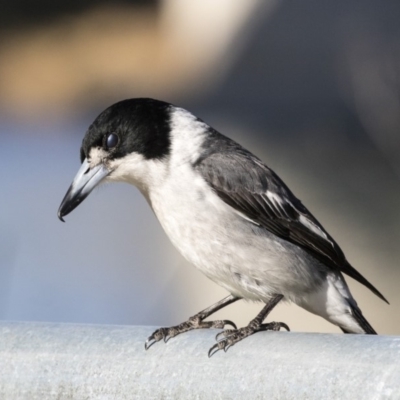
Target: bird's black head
x,y
135,128
134,125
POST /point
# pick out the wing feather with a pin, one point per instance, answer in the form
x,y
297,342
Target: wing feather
x,y
246,184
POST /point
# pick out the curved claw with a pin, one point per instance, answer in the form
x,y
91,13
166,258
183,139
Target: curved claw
x,y
227,347
147,344
283,325
231,323
155,337
214,349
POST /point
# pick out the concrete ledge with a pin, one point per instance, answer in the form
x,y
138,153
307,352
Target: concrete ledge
x,y
62,361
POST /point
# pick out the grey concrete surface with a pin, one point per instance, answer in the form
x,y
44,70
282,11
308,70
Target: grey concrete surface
x,y
65,361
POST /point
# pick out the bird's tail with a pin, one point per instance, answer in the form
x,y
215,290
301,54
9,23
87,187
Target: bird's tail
x,y
362,322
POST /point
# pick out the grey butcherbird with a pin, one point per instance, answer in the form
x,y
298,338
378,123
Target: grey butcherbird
x,y
225,211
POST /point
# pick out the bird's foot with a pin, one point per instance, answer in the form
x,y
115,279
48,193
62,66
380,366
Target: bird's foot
x,y
233,336
195,322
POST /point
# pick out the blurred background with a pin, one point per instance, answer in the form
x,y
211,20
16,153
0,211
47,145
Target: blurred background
x,y
310,87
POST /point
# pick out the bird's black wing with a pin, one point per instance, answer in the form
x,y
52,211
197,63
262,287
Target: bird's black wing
x,y
241,180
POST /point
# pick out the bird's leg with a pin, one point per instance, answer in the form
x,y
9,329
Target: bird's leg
x,y
233,336
194,322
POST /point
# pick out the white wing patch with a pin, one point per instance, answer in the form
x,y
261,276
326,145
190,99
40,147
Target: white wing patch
x,y
312,227
276,201
244,217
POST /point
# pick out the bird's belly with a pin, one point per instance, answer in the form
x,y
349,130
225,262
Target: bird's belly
x,y
238,255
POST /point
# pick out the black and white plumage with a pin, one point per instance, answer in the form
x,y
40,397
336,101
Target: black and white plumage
x,y
224,210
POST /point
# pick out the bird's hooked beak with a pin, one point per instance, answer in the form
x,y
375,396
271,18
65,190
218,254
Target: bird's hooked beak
x,y
84,182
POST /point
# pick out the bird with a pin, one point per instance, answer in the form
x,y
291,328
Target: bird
x,y
225,211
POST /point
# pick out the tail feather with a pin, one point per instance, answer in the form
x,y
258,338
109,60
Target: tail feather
x,y
364,324
352,272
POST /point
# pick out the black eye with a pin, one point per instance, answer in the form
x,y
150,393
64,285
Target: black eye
x,y
112,140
